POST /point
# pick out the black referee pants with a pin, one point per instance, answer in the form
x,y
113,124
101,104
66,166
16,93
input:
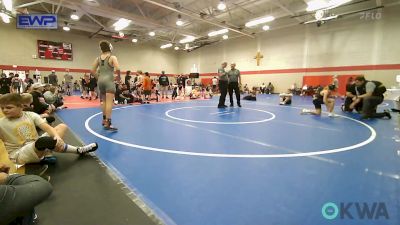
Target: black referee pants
x,y
223,88
234,86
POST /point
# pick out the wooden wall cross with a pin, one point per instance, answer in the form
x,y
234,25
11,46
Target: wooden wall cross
x,y
258,57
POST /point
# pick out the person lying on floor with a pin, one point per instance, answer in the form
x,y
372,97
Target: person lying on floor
x,y
252,95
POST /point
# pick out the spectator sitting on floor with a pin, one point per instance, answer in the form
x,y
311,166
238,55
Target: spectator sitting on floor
x,y
294,89
304,90
252,95
52,98
262,88
26,101
285,98
246,89
136,97
126,97
270,88
195,94
208,93
39,104
20,138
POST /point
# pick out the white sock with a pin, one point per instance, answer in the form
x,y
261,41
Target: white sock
x,y
70,148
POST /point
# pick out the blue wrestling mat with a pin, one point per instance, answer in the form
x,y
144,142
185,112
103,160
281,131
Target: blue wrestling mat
x,y
195,164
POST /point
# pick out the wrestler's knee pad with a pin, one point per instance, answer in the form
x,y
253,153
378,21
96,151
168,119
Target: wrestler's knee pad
x,y
44,143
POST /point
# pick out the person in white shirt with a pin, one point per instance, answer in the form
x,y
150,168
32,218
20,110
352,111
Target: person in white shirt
x,y
214,84
262,88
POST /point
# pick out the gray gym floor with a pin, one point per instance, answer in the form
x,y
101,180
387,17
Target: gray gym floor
x,y
86,194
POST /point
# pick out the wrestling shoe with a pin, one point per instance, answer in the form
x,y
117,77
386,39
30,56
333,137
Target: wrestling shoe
x,y
87,148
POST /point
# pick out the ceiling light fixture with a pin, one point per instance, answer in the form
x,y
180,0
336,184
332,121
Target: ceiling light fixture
x,y
225,37
322,20
5,17
265,27
218,32
316,5
152,33
8,4
262,20
221,5
121,24
187,39
66,28
176,48
179,22
76,15
324,4
134,40
169,45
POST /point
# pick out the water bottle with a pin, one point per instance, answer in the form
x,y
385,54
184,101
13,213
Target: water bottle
x,y
125,101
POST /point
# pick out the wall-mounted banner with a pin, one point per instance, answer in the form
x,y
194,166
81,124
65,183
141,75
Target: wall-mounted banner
x,y
37,21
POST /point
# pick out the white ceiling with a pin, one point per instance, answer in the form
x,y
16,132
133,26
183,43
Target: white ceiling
x,y
200,16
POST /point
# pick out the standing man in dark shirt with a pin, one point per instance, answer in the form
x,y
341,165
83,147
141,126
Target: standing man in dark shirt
x,y
184,78
164,82
53,80
5,84
28,82
92,87
234,83
128,79
222,84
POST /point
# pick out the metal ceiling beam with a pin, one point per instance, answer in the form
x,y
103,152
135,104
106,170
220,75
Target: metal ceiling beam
x,y
59,6
197,18
140,9
92,18
284,8
115,14
44,7
28,4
